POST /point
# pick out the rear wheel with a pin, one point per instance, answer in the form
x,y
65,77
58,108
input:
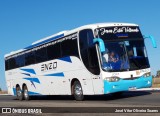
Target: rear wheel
x,y
25,93
19,93
77,91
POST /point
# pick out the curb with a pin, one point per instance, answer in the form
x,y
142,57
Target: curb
x,y
4,94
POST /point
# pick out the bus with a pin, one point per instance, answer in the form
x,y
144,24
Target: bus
x,y
95,59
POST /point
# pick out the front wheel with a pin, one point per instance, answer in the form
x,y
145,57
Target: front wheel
x,y
77,91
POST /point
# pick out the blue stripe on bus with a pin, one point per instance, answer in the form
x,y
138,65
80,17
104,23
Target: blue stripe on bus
x,y
26,74
61,74
33,93
67,59
14,91
45,41
29,70
29,92
33,79
121,35
33,84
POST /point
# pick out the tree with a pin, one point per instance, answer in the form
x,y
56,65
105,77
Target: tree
x,y
0,89
158,73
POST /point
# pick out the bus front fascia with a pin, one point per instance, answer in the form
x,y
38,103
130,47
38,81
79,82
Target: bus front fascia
x,y
120,85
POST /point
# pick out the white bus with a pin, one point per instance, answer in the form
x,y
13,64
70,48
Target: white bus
x,y
93,59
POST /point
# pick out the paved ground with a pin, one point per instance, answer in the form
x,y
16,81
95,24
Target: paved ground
x,y
127,99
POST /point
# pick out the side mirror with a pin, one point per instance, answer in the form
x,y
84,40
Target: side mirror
x,y
101,44
152,39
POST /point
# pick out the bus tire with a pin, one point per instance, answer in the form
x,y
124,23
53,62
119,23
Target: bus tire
x,y
25,93
19,93
77,91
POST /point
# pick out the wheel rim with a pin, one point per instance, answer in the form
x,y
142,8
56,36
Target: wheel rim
x,y
19,93
78,90
26,94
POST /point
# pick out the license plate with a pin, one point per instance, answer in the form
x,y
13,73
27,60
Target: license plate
x,y
132,88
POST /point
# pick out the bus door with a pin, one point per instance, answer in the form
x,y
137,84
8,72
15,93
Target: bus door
x,y
89,57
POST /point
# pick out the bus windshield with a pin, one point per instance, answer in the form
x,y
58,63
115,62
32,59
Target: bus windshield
x,y
124,50
124,55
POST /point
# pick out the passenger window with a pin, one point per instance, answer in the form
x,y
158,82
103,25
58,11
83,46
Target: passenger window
x,y
12,63
19,61
41,55
54,51
29,58
6,64
69,48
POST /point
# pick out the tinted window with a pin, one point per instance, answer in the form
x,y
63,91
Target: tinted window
x,y
29,58
86,38
12,63
93,57
84,56
88,51
6,64
54,51
69,47
137,55
93,60
19,61
41,55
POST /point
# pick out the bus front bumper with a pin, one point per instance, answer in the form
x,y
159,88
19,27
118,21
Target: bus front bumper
x,y
126,85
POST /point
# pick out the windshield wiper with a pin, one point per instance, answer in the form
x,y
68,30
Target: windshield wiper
x,y
144,66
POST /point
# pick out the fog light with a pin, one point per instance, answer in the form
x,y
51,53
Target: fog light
x,y
147,74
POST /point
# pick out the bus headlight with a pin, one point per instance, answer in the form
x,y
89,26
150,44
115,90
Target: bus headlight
x,y
147,74
112,79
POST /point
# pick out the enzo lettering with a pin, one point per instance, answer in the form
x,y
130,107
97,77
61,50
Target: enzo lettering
x,y
48,66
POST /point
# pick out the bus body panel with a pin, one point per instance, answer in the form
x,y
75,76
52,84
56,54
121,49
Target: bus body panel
x,y
52,82
127,85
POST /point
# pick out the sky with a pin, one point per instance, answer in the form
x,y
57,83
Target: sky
x,y
25,21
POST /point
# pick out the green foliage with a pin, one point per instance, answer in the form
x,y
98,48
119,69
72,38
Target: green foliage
x,y
153,76
158,73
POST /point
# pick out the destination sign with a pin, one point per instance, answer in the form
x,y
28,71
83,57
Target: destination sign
x,y
118,32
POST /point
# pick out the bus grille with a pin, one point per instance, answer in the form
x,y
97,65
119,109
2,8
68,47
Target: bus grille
x,y
133,78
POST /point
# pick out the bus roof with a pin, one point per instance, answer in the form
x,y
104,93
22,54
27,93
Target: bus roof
x,y
64,33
